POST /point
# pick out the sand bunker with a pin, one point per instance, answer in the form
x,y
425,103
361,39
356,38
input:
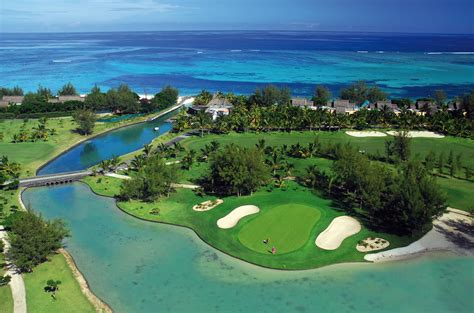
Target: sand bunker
x,y
340,228
231,219
418,134
372,244
366,134
207,205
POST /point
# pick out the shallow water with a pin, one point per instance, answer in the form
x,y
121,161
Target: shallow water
x,y
404,65
115,143
138,266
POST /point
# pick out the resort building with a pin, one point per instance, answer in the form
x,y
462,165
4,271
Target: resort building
x,y
218,106
302,102
63,99
343,106
426,106
11,100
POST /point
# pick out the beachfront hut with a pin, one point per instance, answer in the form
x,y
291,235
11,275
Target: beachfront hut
x,y
12,99
218,106
426,106
343,106
301,102
63,99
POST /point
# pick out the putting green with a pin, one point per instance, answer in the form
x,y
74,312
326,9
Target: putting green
x,y
288,227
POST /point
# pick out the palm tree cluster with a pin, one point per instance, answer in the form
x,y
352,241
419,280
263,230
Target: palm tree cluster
x,y
289,118
40,132
8,170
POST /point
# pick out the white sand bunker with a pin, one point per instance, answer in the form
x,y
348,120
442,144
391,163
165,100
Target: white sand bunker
x,y
418,134
231,219
340,228
366,134
372,244
207,205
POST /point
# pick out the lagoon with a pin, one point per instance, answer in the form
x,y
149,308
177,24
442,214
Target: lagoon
x,y
138,266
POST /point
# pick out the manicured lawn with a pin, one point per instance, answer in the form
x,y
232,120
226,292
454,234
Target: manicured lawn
x,y
459,192
420,146
69,298
286,226
6,300
178,210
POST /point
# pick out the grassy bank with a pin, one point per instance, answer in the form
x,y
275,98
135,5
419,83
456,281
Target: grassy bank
x,y
293,237
31,155
6,300
69,298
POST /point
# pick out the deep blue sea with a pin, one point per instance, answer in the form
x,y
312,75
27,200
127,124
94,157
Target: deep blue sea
x,y
404,65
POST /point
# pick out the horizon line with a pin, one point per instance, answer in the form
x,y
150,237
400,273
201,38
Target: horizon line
x,y
236,30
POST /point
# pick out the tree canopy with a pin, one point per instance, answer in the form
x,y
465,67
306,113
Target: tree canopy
x,y
67,90
33,239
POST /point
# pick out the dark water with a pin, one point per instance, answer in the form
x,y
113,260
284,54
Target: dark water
x,y
138,266
114,143
404,65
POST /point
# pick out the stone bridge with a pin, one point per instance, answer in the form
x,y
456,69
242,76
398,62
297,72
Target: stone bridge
x,y
54,179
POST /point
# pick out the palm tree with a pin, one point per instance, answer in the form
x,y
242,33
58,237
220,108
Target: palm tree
x,y
202,120
260,145
275,160
312,175
114,162
288,168
138,162
147,150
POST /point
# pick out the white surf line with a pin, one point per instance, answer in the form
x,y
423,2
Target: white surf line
x,y
17,284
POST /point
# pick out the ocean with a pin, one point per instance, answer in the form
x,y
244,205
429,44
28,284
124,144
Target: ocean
x,y
405,65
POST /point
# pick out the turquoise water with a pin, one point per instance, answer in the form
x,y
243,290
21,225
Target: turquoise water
x,y
138,266
402,64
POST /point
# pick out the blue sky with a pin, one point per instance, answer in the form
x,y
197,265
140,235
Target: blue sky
x,y
435,16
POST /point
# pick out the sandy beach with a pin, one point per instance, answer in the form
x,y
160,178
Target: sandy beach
x,y
451,232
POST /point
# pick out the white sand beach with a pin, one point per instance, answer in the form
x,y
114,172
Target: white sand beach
x,y
418,134
231,219
365,134
340,228
447,235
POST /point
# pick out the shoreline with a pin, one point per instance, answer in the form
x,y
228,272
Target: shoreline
x,y
99,304
365,261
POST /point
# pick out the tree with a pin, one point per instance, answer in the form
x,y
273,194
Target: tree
x,y
67,90
33,239
154,180
321,95
203,98
360,92
165,98
95,99
441,162
440,97
52,286
85,120
202,120
236,170
401,146
8,170
430,161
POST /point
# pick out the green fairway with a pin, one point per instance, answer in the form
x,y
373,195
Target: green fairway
x,y
420,146
459,192
299,252
69,298
286,226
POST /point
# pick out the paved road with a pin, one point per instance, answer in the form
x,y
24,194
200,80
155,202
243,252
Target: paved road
x,y
17,284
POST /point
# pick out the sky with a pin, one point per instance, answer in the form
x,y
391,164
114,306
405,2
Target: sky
x,y
414,16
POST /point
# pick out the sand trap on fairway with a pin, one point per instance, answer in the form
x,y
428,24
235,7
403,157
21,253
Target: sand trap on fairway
x,y
231,219
372,244
366,134
340,228
418,134
207,205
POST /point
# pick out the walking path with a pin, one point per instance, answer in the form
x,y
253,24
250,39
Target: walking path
x,y
17,284
120,176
